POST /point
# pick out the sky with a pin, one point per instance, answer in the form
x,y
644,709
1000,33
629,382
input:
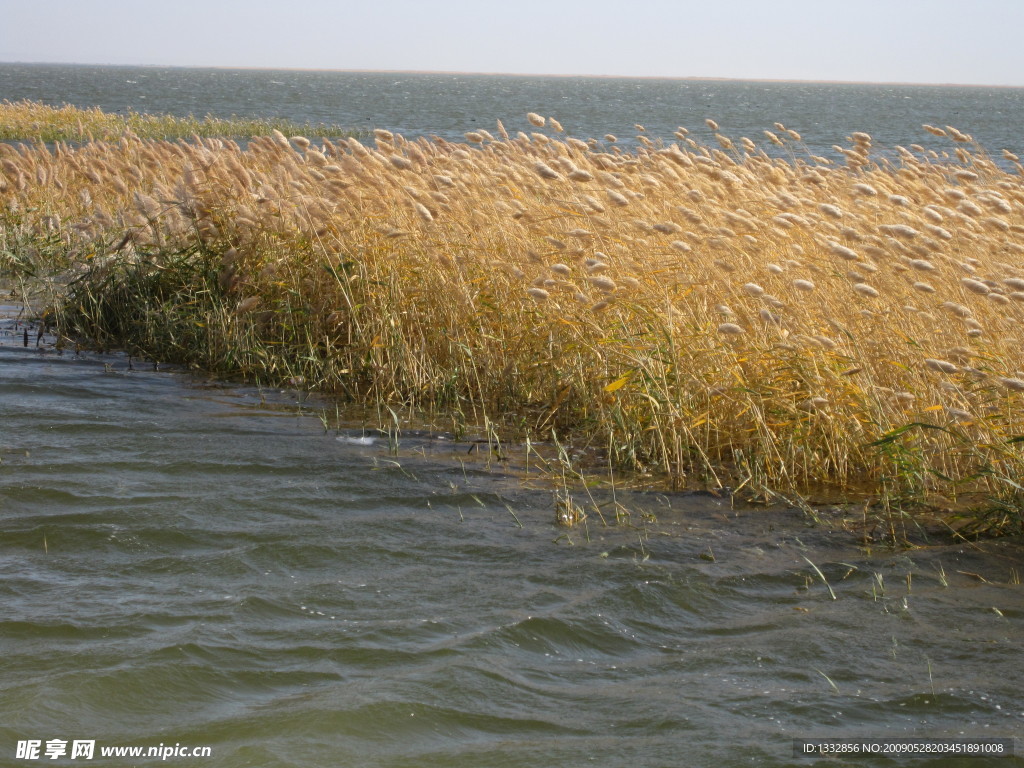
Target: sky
x,y
916,41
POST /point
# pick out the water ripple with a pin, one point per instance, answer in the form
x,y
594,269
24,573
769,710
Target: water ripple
x,y
185,565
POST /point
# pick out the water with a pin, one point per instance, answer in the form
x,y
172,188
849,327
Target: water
x,y
187,562
449,104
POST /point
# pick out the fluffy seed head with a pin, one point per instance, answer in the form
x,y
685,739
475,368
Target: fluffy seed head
x,y
247,304
957,309
842,251
423,212
901,231
753,289
1017,385
975,286
545,171
667,228
616,198
957,136
942,366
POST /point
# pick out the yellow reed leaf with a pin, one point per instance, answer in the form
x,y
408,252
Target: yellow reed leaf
x,y
618,383
932,408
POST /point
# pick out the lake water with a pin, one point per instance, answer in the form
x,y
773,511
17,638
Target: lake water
x,y
448,104
188,562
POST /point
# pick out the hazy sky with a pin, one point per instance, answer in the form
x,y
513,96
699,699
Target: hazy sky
x,y
925,41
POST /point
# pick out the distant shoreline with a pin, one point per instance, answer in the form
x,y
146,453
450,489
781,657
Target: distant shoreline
x,y
681,78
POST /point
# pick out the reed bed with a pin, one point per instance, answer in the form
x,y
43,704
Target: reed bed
x,y
36,121
725,314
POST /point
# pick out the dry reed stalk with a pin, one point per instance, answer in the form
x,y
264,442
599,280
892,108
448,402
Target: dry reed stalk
x,y
419,272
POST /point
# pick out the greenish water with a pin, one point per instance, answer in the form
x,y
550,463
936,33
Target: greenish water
x,y
449,104
192,563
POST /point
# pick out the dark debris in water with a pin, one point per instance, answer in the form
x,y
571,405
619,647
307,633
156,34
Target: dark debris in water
x,y
18,331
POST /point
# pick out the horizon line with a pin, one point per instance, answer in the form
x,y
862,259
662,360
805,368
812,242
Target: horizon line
x,y
687,78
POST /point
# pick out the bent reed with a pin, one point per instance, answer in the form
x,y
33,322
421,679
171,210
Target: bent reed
x,y
714,315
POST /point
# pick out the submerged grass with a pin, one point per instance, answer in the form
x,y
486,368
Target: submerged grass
x,y
35,121
718,315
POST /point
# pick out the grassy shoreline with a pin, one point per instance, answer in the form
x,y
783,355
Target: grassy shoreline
x,y
34,121
704,313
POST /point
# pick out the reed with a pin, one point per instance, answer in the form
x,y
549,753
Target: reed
x,y
715,315
32,120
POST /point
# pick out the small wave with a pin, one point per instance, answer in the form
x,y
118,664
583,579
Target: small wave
x,y
365,440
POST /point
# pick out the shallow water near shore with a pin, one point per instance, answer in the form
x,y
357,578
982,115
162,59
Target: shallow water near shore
x,y
189,562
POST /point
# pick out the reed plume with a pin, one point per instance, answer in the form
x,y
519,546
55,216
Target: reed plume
x,y
715,315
